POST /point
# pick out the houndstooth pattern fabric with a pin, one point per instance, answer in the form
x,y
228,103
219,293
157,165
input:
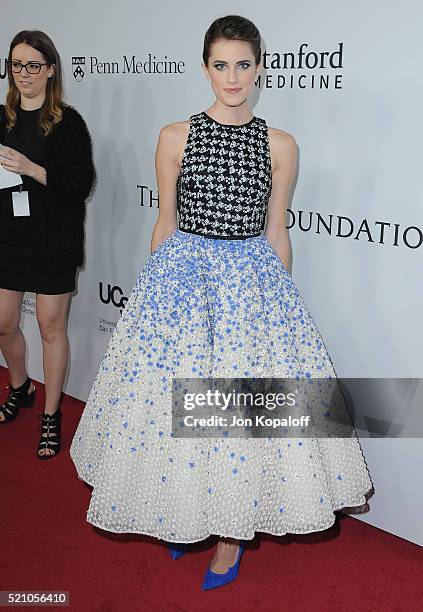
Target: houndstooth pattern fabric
x,y
225,179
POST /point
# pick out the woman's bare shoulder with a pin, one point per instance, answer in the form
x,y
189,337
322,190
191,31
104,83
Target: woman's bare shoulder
x,y
175,132
282,140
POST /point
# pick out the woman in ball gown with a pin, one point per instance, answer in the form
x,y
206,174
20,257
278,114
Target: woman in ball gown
x,y
215,299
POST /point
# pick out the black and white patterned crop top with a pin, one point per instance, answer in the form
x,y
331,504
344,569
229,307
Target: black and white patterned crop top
x,y
225,179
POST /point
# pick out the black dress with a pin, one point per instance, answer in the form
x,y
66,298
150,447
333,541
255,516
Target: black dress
x,y
17,234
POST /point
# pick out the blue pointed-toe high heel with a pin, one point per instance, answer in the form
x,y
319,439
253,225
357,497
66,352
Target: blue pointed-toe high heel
x,y
213,580
177,550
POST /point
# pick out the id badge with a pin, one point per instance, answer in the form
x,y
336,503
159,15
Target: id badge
x,y
20,204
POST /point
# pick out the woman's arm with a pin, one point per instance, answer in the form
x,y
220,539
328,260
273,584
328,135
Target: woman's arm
x,y
283,151
70,172
38,173
170,147
16,162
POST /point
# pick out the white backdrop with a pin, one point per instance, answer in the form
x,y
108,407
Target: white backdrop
x,y
359,141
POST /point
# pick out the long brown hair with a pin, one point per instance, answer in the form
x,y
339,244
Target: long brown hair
x,y
51,111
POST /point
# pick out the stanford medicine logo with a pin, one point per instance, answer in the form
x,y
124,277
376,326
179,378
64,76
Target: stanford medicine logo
x,y
78,68
304,68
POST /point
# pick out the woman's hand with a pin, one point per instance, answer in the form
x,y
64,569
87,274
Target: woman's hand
x,y
16,162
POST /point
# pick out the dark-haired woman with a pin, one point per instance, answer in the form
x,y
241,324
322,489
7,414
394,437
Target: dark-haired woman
x,y
46,145
214,300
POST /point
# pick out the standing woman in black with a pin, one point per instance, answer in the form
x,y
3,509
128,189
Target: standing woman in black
x,y
47,143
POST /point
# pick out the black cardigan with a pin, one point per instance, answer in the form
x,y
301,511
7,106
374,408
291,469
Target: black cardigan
x,y
59,235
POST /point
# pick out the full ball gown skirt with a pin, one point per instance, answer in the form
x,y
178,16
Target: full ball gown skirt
x,y
224,308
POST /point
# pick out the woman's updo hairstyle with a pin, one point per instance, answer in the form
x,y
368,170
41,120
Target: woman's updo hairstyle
x,y
232,27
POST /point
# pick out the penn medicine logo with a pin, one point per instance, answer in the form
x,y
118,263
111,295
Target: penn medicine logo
x,y
150,64
78,68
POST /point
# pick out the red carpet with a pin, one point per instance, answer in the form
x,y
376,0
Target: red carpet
x,y
46,544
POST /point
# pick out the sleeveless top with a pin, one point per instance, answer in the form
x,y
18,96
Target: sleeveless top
x,y
225,178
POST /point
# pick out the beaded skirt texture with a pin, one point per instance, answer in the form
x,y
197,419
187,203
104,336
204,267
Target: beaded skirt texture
x,y
221,308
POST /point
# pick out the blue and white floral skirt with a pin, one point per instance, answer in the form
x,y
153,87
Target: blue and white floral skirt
x,y
222,308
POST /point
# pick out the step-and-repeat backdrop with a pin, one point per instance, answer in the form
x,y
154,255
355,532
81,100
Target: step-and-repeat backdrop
x,y
346,80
